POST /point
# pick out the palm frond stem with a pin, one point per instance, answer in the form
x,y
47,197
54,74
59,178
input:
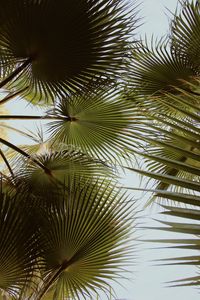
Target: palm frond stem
x,y
15,72
51,280
6,162
10,96
30,117
25,154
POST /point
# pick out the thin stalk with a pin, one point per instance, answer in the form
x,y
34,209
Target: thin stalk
x,y
25,154
51,280
191,92
15,73
7,163
12,95
17,130
28,117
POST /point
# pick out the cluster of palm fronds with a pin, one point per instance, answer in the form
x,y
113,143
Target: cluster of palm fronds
x,y
65,224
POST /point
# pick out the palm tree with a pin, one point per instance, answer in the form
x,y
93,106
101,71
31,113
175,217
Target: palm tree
x,y
65,222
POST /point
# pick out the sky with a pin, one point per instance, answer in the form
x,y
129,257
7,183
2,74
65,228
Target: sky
x,y
147,282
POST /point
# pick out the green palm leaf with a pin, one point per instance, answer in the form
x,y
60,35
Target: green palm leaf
x,y
170,144
60,166
61,47
98,123
185,33
85,242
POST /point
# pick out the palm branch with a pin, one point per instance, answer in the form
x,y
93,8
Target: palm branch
x,y
170,134
74,249
170,145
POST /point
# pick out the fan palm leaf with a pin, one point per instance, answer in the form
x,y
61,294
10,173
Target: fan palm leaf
x,y
97,122
59,167
157,69
56,48
85,241
170,143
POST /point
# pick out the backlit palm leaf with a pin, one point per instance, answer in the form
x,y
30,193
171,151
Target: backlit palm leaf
x,y
185,33
98,123
171,144
59,166
62,46
85,242
157,70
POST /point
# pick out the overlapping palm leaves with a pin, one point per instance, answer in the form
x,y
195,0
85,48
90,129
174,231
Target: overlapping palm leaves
x,y
58,168
18,255
173,159
80,240
169,79
172,144
158,69
85,245
76,247
185,33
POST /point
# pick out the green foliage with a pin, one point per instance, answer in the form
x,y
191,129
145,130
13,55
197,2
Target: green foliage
x,y
65,224
94,122
65,44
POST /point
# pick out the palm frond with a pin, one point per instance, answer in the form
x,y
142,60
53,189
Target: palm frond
x,y
185,32
61,166
171,144
85,243
155,70
98,123
64,46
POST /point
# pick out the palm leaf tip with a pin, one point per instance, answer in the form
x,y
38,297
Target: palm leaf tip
x,y
66,43
87,244
185,32
189,217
